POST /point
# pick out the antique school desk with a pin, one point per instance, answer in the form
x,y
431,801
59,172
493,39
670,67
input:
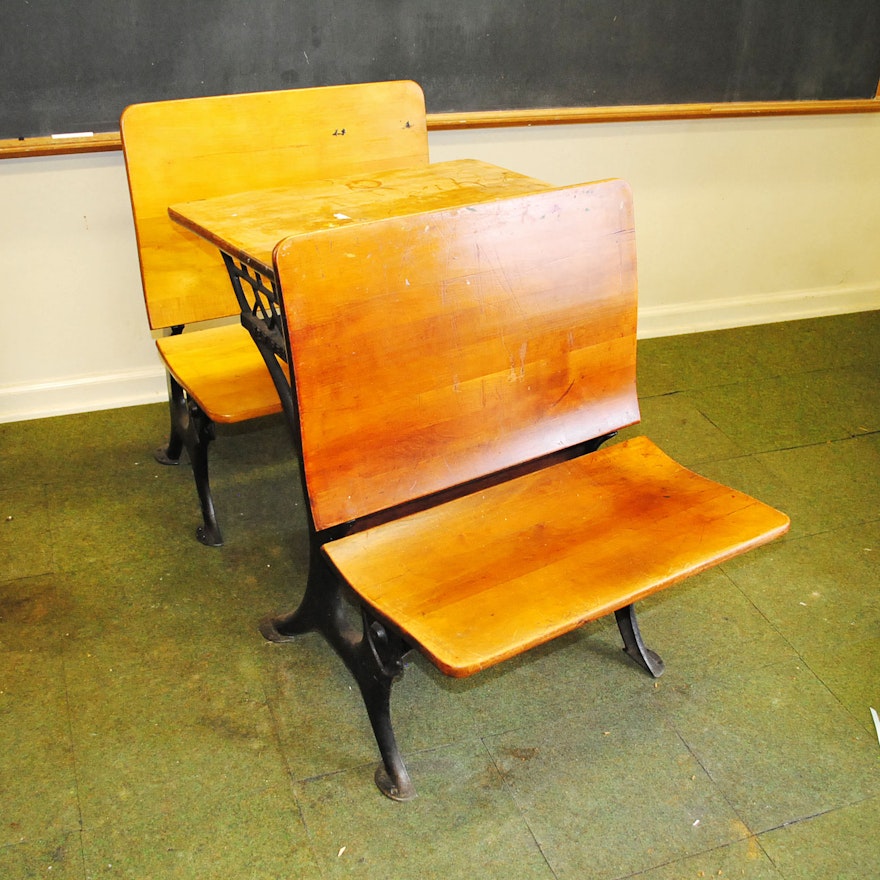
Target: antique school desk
x,y
375,359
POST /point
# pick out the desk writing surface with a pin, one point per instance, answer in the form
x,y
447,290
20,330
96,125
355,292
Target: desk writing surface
x,y
249,225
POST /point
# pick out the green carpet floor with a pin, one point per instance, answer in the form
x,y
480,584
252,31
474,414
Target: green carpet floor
x,y
148,731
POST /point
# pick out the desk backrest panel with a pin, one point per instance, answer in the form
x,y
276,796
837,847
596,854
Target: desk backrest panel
x,y
438,348
182,150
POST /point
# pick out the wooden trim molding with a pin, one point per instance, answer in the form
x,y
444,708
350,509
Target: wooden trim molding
x,y
100,142
103,141
648,112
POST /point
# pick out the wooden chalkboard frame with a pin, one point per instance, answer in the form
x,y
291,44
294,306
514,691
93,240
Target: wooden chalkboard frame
x,y
109,141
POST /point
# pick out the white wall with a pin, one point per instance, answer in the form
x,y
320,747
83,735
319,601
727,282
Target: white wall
x,y
73,327
738,221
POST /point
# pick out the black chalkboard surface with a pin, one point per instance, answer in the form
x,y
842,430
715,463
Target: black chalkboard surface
x,y
73,66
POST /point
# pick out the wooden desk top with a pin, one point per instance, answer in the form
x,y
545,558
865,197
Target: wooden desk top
x,y
248,225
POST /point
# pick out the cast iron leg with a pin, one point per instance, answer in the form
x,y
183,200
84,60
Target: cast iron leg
x,y
197,439
391,775
170,453
378,666
633,644
321,609
374,657
191,428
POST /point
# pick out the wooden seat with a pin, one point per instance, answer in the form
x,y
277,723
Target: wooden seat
x,y
223,371
456,373
485,577
177,151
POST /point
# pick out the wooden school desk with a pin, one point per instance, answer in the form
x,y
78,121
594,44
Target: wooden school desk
x,y
456,373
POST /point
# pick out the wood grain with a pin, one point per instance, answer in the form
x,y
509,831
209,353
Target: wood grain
x,y
176,151
223,371
483,578
432,349
248,225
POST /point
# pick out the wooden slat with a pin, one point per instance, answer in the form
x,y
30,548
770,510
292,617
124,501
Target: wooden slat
x,y
432,349
223,370
485,577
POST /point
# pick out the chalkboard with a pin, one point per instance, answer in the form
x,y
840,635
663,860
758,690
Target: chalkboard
x,y
73,66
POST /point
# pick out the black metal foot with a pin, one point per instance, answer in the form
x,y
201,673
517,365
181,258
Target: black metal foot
x,y
273,629
321,609
402,790
633,644
163,457
209,534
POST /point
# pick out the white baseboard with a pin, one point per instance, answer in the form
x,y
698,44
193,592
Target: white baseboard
x,y
82,394
717,314
90,393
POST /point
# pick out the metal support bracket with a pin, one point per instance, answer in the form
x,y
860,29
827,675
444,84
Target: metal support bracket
x,y
632,642
192,429
374,657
